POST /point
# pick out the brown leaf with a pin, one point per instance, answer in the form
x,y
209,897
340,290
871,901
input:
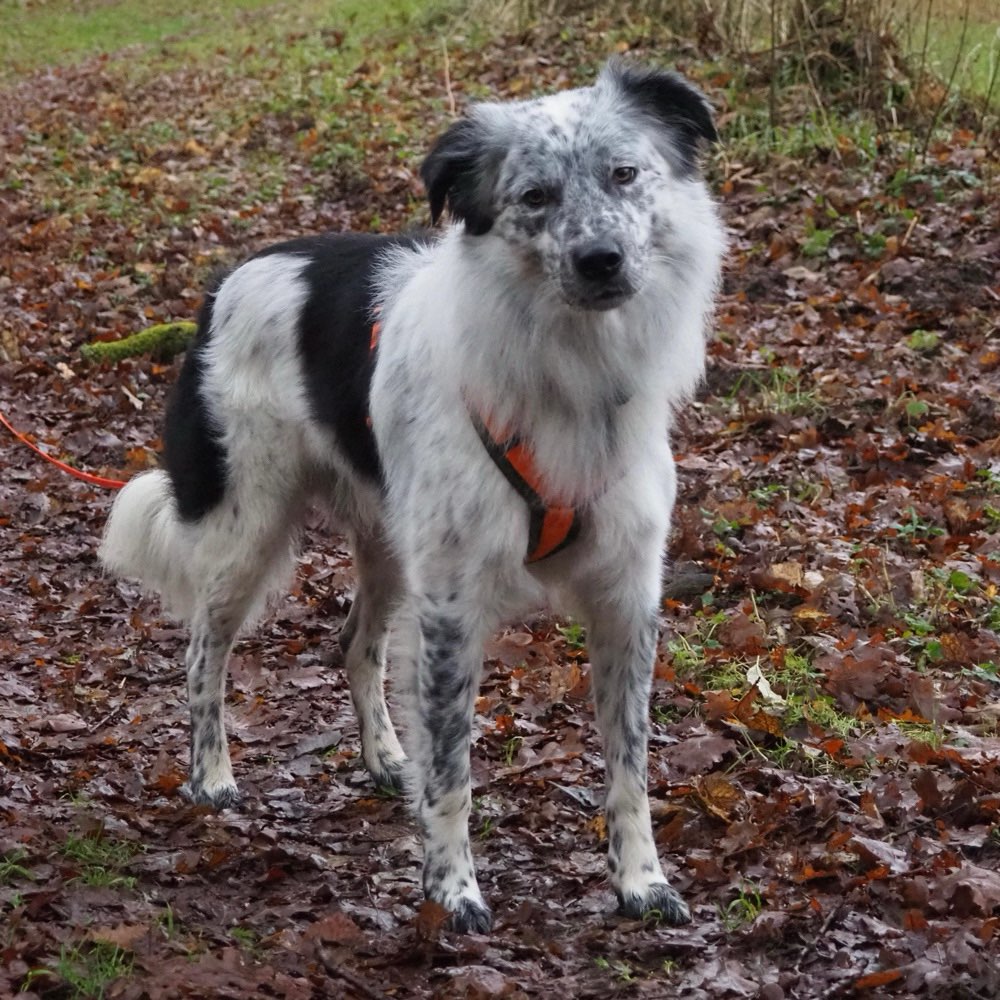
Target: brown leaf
x,y
123,935
973,891
480,982
874,979
719,795
430,921
337,928
719,705
877,852
742,634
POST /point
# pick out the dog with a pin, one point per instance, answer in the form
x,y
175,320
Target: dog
x,y
485,414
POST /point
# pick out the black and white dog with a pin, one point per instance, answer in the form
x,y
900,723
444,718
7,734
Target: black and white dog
x,y
504,444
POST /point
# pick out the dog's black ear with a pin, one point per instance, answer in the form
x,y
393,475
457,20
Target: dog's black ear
x,y
670,99
458,170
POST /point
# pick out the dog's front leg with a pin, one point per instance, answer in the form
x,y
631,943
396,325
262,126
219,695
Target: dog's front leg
x,y
448,660
622,646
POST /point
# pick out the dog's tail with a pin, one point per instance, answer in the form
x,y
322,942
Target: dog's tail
x,y
146,540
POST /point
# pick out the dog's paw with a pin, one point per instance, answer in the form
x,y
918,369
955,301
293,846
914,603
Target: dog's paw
x,y
388,772
461,897
219,798
659,902
469,916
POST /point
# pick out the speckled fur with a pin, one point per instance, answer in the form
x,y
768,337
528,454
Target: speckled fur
x,y
566,301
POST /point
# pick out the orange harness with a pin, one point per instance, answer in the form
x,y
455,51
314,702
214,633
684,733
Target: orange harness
x,y
550,528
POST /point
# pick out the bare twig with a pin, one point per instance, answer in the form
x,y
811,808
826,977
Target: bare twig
x,y
951,79
447,79
773,97
994,76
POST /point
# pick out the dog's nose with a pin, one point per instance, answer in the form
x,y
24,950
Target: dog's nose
x,y
598,261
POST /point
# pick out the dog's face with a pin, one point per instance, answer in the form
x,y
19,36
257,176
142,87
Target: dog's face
x,y
579,185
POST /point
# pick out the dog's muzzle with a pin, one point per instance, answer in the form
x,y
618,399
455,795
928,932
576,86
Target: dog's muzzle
x,y
599,275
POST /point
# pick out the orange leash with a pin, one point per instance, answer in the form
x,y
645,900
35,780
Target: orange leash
x,y
87,477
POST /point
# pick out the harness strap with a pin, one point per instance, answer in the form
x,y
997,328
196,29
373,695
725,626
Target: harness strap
x,y
550,527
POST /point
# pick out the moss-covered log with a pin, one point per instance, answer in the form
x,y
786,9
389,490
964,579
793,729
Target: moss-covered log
x,y
160,342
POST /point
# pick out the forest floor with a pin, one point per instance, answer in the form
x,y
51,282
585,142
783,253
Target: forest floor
x,y
825,763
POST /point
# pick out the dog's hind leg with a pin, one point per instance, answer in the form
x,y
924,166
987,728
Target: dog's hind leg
x,y
211,780
621,640
237,568
363,641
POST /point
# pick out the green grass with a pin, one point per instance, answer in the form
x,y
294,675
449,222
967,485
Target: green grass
x,y
779,390
10,867
99,860
86,970
247,939
617,968
924,732
971,58
63,31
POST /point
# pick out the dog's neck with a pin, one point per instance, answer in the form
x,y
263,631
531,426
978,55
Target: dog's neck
x,y
583,387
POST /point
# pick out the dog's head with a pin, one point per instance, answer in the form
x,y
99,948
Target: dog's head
x,y
581,186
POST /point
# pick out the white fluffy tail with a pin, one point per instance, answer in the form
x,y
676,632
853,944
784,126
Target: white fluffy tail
x,y
145,540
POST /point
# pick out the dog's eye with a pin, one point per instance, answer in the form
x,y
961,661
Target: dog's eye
x,y
534,198
623,175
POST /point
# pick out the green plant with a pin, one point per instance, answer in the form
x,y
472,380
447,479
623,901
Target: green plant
x,y
665,714
924,341
10,867
511,745
989,479
765,496
912,407
621,970
688,651
919,637
743,910
247,939
167,922
817,241
872,244
917,529
573,634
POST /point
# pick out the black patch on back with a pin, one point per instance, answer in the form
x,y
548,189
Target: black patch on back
x,y
192,453
335,334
